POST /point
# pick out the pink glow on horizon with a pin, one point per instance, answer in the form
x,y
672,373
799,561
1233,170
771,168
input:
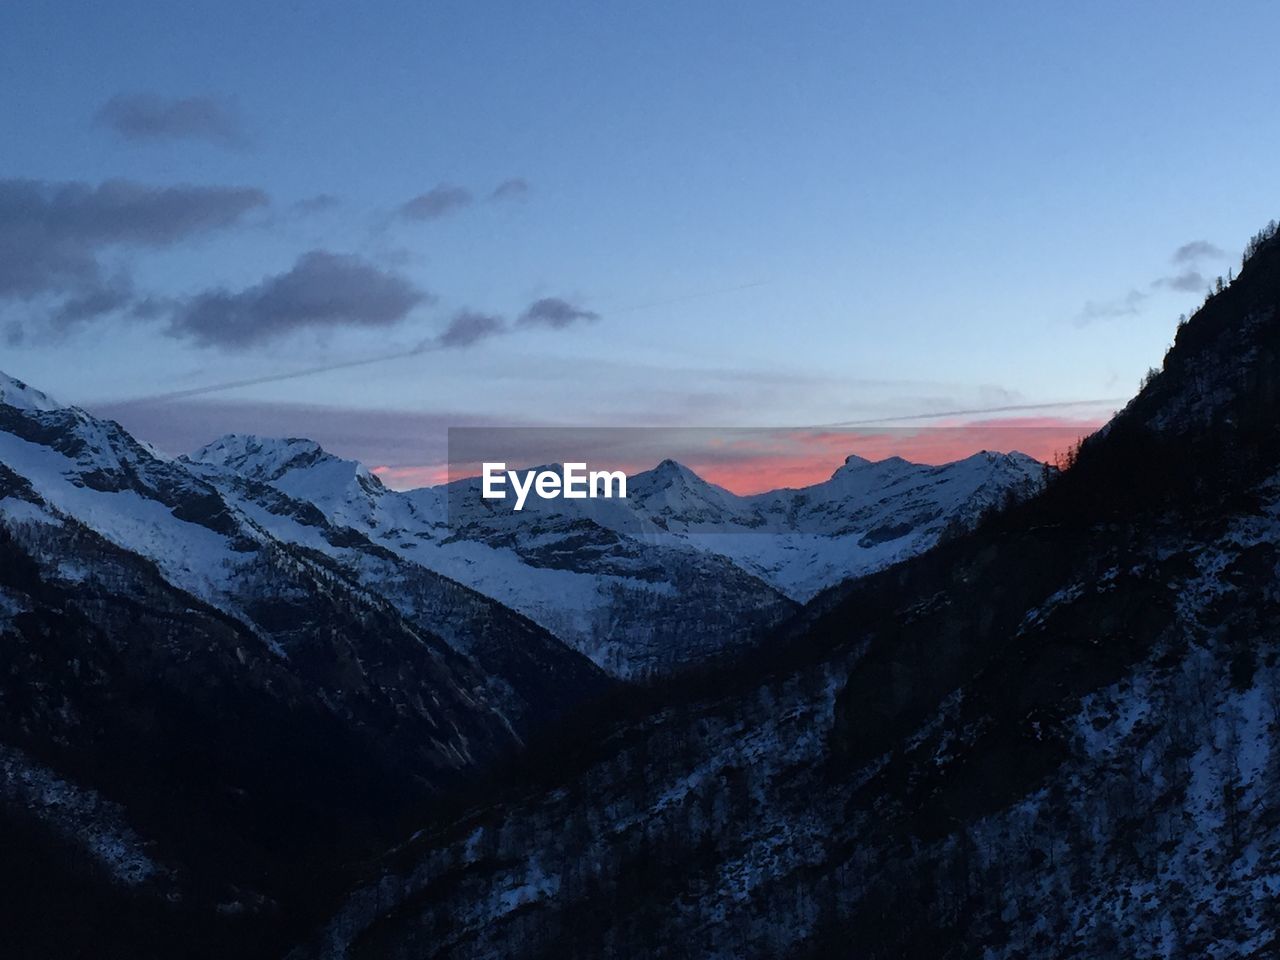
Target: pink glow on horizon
x,y
411,478
821,454
800,458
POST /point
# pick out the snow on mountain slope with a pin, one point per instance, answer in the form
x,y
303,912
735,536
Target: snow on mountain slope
x,y
167,659
652,582
20,396
633,608
871,515
94,471
415,631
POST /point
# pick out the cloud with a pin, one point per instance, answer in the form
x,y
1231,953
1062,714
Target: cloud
x,y
141,117
437,202
102,298
468,327
1196,250
1126,306
1188,281
322,291
320,203
53,235
517,188
555,313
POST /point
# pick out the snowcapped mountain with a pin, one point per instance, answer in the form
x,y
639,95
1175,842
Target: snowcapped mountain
x,y
632,607
20,396
868,516
678,572
221,549
167,658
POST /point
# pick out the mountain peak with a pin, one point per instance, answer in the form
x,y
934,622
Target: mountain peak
x,y
262,458
666,474
15,393
669,467
854,463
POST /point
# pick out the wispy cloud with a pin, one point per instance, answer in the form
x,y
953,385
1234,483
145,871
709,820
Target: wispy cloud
x,y
1187,278
1188,281
468,327
237,320
322,290
320,203
1127,306
1196,251
439,201
1188,258
555,313
141,117
517,188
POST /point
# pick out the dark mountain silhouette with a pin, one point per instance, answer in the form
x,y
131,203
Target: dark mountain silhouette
x,y
1058,735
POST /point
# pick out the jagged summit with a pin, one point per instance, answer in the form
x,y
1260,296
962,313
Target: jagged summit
x,y
270,458
995,457
670,471
15,393
670,478
856,464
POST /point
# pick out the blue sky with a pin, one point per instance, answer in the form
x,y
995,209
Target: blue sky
x,y
752,212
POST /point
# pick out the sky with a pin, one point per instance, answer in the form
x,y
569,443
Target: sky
x,y
687,214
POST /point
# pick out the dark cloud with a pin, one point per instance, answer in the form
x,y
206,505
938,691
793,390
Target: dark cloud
x,y
468,327
322,291
436,202
517,188
1196,250
53,235
149,116
107,297
555,313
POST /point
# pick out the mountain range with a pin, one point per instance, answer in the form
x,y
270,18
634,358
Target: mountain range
x,y
263,635
257,704
678,572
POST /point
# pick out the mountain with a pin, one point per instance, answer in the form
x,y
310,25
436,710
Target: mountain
x,y
677,574
867,516
1054,736
168,662
634,609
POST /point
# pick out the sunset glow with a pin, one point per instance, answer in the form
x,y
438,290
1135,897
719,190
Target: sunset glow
x,y
747,462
